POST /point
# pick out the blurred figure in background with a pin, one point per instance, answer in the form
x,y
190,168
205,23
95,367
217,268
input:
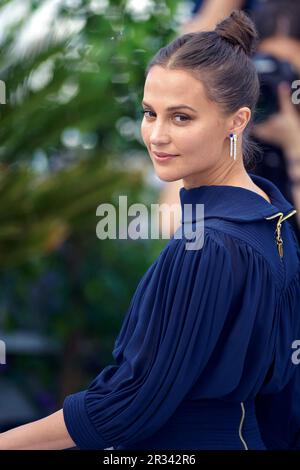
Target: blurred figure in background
x,y
277,133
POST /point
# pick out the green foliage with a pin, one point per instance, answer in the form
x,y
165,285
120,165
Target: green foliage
x,y
69,141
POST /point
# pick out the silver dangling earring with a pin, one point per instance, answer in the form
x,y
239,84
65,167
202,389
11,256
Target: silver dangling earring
x,y
233,141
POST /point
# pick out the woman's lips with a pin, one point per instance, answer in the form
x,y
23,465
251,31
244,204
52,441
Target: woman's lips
x,y
161,157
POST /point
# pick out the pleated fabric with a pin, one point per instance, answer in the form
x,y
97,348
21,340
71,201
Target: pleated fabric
x,y
204,356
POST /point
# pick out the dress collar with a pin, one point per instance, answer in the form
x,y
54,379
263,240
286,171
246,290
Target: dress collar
x,y
234,202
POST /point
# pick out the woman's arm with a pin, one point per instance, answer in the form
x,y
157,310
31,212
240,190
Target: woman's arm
x,y
48,433
211,12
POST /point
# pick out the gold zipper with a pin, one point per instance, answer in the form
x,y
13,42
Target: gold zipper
x,y
279,240
241,426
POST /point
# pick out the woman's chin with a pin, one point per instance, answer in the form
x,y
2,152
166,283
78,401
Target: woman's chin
x,y
165,174
167,178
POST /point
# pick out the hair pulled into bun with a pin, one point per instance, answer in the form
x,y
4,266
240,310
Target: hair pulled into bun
x,y
239,30
221,60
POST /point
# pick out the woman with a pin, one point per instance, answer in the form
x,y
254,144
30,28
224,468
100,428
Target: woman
x,y
278,137
206,357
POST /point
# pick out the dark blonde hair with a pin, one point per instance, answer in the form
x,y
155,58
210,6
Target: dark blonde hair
x,y
221,60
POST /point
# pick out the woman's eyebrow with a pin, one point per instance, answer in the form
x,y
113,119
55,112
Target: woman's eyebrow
x,y
171,108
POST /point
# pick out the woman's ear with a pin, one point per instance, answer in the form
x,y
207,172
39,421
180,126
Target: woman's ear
x,y
239,120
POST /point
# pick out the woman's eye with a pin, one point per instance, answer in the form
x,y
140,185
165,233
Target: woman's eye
x,y
185,118
145,111
182,116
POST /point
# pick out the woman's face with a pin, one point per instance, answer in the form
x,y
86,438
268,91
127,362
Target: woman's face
x,y
197,137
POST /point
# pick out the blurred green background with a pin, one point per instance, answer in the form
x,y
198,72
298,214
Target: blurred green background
x,y
70,140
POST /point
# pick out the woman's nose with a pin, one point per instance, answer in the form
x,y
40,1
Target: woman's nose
x,y
159,134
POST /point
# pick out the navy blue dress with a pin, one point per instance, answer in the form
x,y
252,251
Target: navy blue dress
x,y
207,354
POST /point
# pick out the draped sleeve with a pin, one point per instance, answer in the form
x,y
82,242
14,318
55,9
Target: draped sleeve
x,y
169,332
